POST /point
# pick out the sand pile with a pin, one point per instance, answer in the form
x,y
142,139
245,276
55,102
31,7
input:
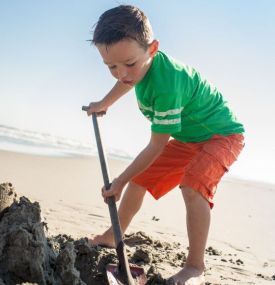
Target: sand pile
x,y
25,252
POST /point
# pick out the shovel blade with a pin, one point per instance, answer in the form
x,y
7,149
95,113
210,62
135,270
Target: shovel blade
x,y
114,276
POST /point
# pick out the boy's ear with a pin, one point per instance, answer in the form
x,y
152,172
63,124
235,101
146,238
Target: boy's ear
x,y
153,48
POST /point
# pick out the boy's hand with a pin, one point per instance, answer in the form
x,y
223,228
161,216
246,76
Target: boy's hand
x,y
115,190
95,107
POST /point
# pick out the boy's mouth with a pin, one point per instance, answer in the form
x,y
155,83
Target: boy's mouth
x,y
129,82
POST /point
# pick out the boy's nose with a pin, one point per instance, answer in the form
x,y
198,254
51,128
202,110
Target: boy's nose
x,y
122,73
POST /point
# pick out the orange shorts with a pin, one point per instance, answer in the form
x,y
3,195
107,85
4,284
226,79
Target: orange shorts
x,y
199,166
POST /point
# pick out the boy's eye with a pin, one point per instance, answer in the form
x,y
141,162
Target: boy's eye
x,y
112,67
130,64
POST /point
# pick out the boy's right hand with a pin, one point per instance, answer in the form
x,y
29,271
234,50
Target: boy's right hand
x,y
95,107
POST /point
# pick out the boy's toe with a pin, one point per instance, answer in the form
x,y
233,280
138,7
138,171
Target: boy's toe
x,y
93,242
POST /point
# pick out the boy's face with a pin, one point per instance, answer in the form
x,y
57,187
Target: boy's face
x,y
127,60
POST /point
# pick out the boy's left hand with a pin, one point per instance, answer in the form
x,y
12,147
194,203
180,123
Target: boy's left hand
x,y
115,190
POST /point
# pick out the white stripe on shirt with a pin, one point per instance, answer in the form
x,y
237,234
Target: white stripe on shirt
x,y
166,122
141,106
169,112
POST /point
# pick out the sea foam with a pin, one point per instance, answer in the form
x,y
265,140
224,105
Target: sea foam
x,y
27,141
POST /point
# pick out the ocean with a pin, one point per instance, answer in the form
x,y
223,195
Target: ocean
x,y
27,141
31,142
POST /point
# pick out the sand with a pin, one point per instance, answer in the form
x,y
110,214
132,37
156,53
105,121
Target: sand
x,y
240,249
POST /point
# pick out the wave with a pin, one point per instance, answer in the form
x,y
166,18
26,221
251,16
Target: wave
x,y
26,141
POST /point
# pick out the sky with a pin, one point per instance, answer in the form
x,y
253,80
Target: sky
x,y
49,69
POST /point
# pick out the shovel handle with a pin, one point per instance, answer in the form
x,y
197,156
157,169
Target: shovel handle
x,y
101,153
107,184
86,108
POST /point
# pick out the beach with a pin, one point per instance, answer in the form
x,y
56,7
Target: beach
x,y
240,248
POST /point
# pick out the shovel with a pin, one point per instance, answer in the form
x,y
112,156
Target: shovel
x,y
123,274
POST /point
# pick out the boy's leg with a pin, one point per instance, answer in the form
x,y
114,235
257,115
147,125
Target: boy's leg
x,y
130,204
198,221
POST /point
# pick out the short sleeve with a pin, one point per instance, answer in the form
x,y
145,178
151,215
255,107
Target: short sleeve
x,y
167,113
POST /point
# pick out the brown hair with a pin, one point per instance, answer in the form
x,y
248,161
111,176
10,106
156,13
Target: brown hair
x,y
122,22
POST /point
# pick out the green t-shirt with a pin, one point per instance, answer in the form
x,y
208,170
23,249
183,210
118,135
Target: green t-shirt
x,y
178,101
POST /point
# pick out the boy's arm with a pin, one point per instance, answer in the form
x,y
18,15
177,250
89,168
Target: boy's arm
x,y
115,93
142,161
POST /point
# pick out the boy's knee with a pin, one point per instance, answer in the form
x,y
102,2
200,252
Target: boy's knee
x,y
190,194
134,186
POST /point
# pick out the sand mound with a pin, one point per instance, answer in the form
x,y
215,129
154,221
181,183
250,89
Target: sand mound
x,y
25,252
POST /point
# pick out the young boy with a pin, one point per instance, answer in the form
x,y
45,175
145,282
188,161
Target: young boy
x,y
194,135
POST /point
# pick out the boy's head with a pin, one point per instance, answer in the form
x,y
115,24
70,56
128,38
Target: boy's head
x,y
123,22
124,38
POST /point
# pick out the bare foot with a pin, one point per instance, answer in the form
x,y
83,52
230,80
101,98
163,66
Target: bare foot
x,y
187,276
106,239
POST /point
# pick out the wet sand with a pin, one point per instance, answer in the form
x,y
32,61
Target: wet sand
x,y
63,206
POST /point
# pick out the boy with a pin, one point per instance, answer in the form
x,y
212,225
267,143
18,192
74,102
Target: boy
x,y
194,135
